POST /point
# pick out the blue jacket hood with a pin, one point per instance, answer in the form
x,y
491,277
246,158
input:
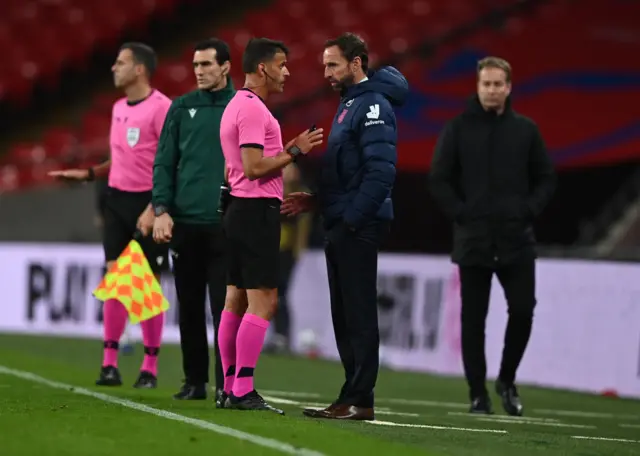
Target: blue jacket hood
x,y
387,81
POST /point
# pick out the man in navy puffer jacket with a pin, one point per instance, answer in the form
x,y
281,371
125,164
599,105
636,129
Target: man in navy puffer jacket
x,y
354,198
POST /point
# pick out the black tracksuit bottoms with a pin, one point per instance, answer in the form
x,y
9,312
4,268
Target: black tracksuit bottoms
x,y
518,283
199,263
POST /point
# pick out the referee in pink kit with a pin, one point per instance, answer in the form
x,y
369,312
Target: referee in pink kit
x,y
136,123
252,146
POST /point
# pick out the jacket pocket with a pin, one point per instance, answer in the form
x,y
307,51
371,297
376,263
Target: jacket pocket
x,y
472,238
473,211
513,209
516,234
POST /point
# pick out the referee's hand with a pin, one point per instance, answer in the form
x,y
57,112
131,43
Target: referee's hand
x,y
70,174
307,140
163,228
145,221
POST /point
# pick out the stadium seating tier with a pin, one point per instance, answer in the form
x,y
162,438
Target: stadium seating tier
x,y
586,106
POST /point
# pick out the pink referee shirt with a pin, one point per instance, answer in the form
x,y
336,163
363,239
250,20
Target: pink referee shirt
x,y
135,131
247,122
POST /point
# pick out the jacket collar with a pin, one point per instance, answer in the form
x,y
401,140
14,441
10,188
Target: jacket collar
x,y
475,108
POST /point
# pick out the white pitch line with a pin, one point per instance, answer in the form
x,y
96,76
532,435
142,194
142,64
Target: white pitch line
x,y
551,422
461,405
442,428
579,414
319,406
291,394
535,423
223,430
391,412
630,426
504,417
605,439
377,412
421,403
282,401
387,410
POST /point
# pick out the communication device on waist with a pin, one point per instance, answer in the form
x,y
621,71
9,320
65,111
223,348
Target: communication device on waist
x,y
225,197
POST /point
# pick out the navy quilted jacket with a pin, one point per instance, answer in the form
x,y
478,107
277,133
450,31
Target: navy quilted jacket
x,y
359,165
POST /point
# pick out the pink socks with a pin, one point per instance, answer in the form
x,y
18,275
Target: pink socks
x,y
152,337
240,340
115,319
249,341
227,332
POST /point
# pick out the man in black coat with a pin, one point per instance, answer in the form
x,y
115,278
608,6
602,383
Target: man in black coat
x,y
492,176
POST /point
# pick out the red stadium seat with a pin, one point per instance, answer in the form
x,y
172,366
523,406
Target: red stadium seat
x,y
94,128
103,102
27,154
73,29
59,143
38,173
64,33
584,116
9,178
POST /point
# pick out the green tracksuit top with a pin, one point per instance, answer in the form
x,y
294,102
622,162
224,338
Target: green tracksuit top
x,y
189,164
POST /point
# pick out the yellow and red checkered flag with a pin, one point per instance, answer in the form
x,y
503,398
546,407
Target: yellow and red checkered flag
x,y
132,282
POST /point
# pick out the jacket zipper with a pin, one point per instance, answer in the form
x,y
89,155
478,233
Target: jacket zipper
x,y
492,222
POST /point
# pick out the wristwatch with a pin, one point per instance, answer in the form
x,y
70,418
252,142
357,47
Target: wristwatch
x,y
91,175
159,210
294,151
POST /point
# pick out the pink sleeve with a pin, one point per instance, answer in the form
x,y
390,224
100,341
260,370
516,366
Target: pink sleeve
x,y
251,125
161,114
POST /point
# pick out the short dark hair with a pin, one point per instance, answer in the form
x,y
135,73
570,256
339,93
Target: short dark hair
x,y
223,54
496,62
351,46
261,50
143,54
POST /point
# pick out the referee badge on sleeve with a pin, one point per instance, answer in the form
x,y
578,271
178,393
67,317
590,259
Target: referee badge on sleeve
x,y
133,136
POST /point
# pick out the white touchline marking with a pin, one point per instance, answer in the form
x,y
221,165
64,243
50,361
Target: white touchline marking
x,y
443,428
631,426
279,400
460,405
230,432
578,414
424,403
535,423
605,439
504,417
319,406
391,412
522,420
377,412
290,394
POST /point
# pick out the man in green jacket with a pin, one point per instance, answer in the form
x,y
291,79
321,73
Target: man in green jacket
x,y
188,172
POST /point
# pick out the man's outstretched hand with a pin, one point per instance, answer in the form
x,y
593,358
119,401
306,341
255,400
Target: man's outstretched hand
x,y
70,174
297,203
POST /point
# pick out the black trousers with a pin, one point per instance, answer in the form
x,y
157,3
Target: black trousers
x,y
352,266
199,263
282,319
518,283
